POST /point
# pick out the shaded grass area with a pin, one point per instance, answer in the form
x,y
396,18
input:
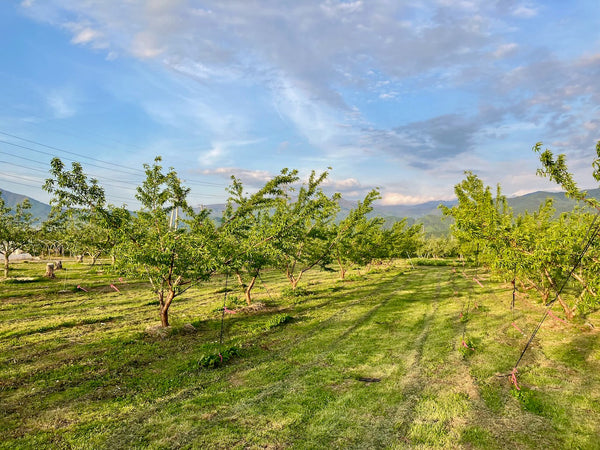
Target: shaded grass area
x,y
376,361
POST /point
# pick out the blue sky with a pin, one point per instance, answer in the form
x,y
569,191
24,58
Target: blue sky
x,y
400,95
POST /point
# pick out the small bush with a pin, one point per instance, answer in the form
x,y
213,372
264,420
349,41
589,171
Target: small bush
x,y
467,347
528,400
218,359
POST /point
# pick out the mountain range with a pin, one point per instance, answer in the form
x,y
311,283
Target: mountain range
x,y
427,213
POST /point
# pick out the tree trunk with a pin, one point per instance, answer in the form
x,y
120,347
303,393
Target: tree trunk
x,y
49,270
164,316
564,305
342,270
164,308
239,278
568,312
248,289
291,278
113,259
6,268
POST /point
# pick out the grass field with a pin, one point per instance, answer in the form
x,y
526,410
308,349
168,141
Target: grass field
x,y
376,361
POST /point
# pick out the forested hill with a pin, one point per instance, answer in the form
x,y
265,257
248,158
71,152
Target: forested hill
x,y
426,213
38,209
531,202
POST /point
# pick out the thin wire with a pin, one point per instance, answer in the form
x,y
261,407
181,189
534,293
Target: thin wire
x,y
22,184
53,155
201,183
265,286
69,152
122,186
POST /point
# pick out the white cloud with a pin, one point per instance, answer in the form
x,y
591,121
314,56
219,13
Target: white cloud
x,y
251,177
525,11
145,45
388,95
336,9
84,36
505,50
224,151
395,198
212,156
329,68
348,183
62,104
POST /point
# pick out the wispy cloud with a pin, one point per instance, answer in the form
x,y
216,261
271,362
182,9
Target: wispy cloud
x,y
255,178
62,103
395,198
525,11
410,87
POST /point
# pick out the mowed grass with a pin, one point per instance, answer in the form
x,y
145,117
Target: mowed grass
x,y
376,361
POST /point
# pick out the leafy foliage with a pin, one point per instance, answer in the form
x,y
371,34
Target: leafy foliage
x,y
80,218
173,253
275,321
16,230
559,257
214,360
249,231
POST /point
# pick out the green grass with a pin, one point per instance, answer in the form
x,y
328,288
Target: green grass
x,y
375,361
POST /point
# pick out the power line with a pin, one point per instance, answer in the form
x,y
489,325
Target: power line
x,y
91,133
38,186
132,184
94,159
22,184
50,154
24,167
21,178
24,158
47,171
69,152
191,182
43,171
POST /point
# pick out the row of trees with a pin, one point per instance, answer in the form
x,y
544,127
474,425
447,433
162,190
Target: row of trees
x,y
556,255
286,225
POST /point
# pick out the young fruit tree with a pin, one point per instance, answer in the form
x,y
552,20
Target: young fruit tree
x,y
559,257
173,252
356,235
481,221
248,232
16,230
578,230
405,240
79,217
305,230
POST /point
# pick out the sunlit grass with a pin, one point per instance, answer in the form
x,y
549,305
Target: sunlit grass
x,y
375,361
